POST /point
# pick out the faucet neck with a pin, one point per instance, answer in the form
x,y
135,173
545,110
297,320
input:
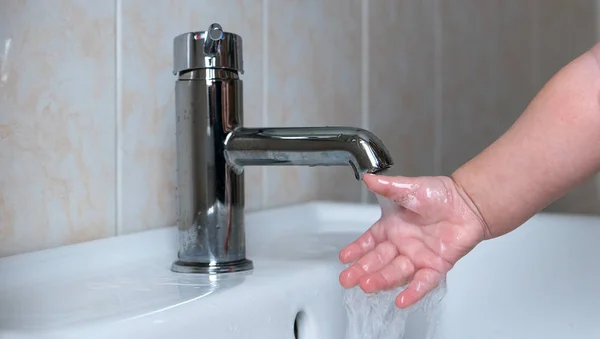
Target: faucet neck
x,y
213,147
209,107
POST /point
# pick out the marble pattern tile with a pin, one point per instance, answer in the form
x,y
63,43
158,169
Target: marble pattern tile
x,y
57,98
314,53
401,56
59,79
147,120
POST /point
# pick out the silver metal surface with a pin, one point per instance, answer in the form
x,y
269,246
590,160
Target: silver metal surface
x,y
308,146
213,148
212,48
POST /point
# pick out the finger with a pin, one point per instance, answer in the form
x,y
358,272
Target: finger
x,y
399,189
421,256
390,187
397,273
424,281
362,244
373,261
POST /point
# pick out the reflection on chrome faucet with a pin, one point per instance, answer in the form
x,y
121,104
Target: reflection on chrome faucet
x,y
213,148
307,146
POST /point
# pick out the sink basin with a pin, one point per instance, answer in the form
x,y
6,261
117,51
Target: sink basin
x,y
537,282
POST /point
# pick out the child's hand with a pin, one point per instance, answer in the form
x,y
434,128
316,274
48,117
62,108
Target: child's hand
x,y
427,224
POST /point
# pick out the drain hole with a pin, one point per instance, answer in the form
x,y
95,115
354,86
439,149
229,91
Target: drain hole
x,y
299,325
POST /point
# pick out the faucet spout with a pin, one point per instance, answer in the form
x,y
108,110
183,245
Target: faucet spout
x,y
308,146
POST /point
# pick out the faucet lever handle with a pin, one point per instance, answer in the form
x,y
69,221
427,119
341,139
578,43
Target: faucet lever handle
x,y
212,48
214,34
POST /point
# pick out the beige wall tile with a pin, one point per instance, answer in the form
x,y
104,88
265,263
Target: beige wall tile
x,y
402,82
57,90
496,57
314,51
147,120
564,30
444,88
487,78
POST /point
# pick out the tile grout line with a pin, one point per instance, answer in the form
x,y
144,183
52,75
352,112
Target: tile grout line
x,y
118,113
265,87
364,193
438,89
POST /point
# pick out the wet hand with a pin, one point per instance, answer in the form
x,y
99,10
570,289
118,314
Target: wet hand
x,y
427,225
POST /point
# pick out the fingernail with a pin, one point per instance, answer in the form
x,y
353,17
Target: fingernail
x,y
383,182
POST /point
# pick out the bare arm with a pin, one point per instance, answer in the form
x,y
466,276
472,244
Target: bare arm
x,y
551,148
429,223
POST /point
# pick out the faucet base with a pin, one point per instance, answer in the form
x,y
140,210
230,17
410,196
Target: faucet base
x,y
203,268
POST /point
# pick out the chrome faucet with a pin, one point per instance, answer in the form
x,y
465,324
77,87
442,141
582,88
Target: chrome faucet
x,y
213,147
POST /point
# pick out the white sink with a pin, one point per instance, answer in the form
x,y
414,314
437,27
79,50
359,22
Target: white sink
x,y
537,282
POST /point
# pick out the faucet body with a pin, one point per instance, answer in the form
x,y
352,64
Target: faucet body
x,y
213,147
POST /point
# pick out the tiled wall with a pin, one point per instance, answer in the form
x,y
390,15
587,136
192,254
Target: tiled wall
x,y
87,143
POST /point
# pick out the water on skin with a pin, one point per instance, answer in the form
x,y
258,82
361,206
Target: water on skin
x,y
375,316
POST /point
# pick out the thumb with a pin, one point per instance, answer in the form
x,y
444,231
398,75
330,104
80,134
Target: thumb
x,y
397,189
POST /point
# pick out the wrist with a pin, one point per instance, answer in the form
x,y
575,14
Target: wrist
x,y
471,204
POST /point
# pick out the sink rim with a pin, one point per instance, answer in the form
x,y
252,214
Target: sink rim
x,y
332,218
93,259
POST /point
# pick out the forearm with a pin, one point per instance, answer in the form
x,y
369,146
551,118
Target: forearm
x,y
551,148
